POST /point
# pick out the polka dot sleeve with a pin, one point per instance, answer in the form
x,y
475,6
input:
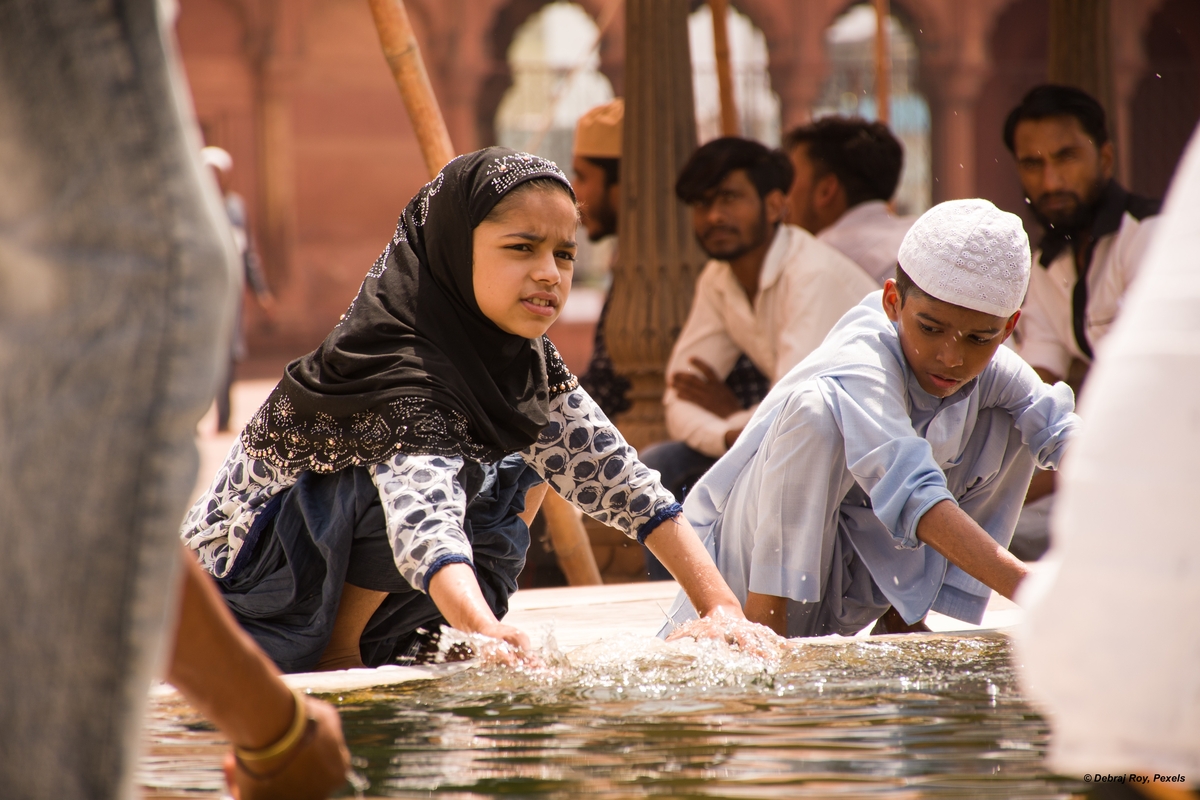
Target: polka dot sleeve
x,y
585,459
424,506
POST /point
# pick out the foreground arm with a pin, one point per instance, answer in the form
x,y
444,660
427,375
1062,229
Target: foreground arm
x,y
221,672
950,531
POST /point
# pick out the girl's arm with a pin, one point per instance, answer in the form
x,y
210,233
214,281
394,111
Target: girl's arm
x,y
455,591
424,507
677,546
587,461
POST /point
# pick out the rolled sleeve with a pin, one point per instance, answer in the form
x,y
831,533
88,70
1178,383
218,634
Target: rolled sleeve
x,y
892,464
1043,413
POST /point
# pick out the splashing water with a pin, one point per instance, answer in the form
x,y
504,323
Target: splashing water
x,y
912,716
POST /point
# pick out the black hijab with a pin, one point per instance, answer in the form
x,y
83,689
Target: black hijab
x,y
414,365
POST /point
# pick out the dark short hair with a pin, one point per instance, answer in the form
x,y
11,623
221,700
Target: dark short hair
x,y
865,156
769,170
1052,100
905,286
611,167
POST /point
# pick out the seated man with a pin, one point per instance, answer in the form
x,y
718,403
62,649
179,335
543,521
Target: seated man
x,y
766,299
847,170
888,468
1095,235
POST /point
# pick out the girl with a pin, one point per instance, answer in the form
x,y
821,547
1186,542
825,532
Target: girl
x,y
375,495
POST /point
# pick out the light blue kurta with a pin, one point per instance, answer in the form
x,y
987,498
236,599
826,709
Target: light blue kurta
x,y
819,499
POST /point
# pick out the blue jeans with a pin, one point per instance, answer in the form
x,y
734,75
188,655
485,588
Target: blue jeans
x,y
115,314
679,467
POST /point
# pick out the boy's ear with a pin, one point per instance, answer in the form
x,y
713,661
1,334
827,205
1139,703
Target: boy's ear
x,y
892,300
1011,325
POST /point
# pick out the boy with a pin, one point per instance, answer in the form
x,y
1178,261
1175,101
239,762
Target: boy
x,y
909,426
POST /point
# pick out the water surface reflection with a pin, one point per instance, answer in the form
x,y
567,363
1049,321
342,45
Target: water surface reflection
x,y
901,717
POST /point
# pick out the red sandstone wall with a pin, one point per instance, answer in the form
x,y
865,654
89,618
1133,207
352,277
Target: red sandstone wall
x,y
298,92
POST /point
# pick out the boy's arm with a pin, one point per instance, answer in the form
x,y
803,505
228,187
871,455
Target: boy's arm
x,y
949,530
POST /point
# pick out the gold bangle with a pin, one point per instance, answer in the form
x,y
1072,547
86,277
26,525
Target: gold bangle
x,y
289,740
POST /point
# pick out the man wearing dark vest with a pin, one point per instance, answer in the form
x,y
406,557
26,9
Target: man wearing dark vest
x,y
1095,233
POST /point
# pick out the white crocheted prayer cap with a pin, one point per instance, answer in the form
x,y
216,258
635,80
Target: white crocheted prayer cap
x,y
971,254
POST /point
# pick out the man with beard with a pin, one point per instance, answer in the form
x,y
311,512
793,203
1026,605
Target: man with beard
x,y
1095,231
596,162
847,170
765,301
1095,235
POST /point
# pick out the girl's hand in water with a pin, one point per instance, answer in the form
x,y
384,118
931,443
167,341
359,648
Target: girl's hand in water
x,y
511,648
735,630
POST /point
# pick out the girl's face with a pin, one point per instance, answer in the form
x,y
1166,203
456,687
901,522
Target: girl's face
x,y
524,257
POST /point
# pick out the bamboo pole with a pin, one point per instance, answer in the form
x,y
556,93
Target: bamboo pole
x,y
729,114
404,57
883,63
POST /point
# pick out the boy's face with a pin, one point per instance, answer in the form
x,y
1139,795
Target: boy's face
x,y
945,345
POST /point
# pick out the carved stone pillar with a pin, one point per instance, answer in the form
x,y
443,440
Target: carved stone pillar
x,y
659,259
1080,48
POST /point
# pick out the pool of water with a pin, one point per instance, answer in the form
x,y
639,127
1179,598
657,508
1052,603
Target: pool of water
x,y
898,717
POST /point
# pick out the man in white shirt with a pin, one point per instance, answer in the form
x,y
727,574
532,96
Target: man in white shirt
x,y
846,171
1094,227
765,301
1095,235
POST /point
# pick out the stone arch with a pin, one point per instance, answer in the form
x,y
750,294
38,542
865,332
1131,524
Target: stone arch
x,y
506,19
777,27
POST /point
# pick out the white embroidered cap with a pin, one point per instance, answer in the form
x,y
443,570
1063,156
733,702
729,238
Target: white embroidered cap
x,y
971,254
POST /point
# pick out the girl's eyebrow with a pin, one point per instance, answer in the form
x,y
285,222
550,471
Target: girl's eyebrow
x,y
529,237
537,239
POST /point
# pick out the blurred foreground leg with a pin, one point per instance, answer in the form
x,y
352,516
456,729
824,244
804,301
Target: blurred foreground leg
x,y
115,286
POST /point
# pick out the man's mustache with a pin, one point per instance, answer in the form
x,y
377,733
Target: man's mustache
x,y
1058,195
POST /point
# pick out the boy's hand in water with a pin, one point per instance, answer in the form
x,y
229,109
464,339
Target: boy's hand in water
x,y
314,768
734,630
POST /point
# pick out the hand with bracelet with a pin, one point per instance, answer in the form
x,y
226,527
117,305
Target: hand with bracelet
x,y
285,745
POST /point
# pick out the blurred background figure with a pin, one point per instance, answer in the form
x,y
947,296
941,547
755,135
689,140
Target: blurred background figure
x,y
1094,238
766,298
252,273
847,170
596,176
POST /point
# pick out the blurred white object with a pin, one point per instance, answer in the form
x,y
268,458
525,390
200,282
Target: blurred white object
x,y
1111,641
216,157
